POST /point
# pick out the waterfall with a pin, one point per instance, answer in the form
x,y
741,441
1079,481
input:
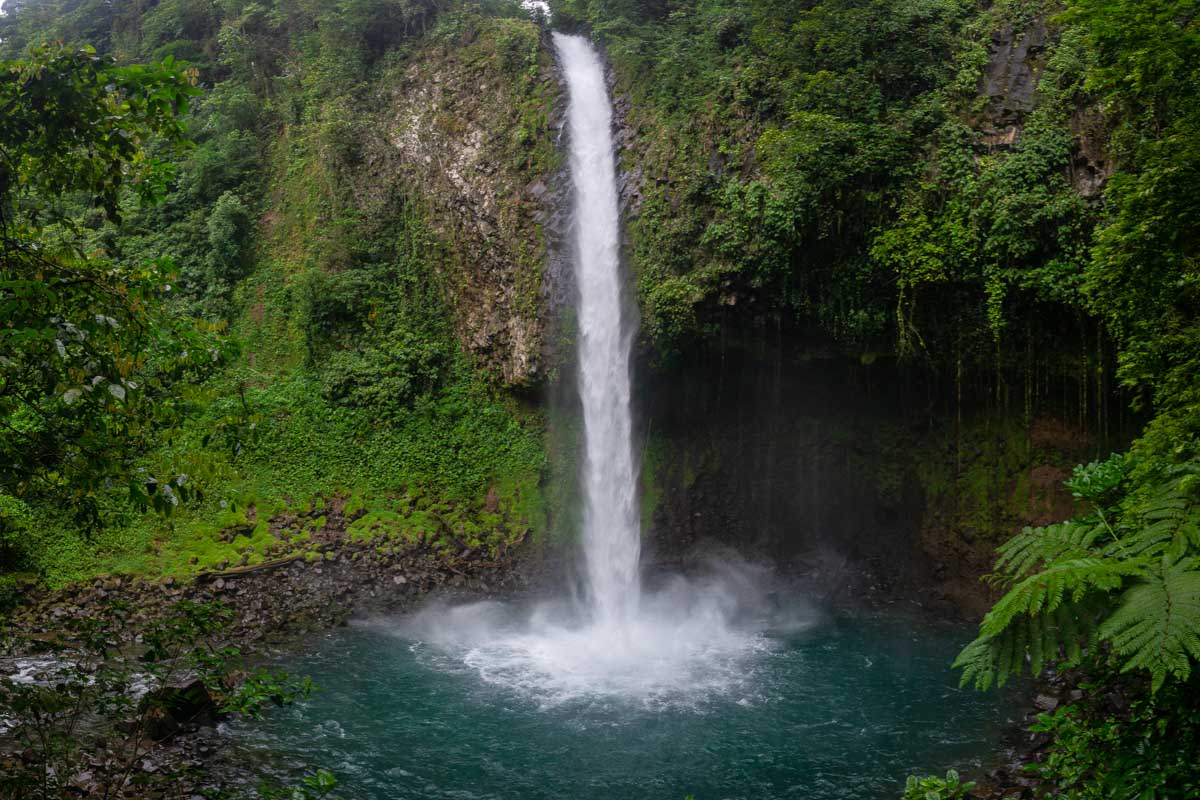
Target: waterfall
x,y
611,529
670,646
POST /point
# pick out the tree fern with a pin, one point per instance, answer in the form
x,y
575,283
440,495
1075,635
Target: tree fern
x,y
1072,585
1156,626
980,663
1169,522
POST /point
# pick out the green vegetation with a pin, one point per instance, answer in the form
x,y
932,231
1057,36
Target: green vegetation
x,y
225,302
1121,575
826,164
349,377
933,788
91,356
1118,591
1147,750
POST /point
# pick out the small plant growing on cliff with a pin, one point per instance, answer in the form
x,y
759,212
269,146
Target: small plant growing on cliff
x,y
1109,745
931,787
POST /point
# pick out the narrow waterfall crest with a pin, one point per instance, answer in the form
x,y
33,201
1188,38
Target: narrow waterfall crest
x,y
612,530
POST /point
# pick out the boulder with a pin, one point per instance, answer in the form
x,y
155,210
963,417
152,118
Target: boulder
x,y
1045,702
173,705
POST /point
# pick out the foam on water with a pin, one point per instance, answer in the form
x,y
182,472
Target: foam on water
x,y
691,641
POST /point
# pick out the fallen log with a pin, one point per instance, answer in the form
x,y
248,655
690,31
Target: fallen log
x,y
237,572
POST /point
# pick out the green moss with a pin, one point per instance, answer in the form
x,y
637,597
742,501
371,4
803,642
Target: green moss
x,y
376,524
423,524
355,503
258,540
984,482
652,490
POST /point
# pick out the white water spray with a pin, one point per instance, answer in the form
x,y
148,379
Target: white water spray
x,y
611,530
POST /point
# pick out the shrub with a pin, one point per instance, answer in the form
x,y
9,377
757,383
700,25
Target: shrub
x,y
931,787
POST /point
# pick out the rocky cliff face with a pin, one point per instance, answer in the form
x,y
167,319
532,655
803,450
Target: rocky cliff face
x,y
861,476
1017,58
1015,62
816,462
474,126
473,129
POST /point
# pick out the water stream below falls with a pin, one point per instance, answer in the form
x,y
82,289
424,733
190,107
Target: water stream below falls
x,y
843,709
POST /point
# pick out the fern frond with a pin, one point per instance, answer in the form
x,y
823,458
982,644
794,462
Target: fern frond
x,y
1188,536
1156,627
1167,523
1043,592
1167,504
1033,546
1035,636
1032,641
1066,578
1150,540
979,662
1074,626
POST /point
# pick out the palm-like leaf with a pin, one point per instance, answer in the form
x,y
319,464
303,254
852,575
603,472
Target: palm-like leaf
x,y
1167,523
1033,640
1033,546
1156,626
1043,592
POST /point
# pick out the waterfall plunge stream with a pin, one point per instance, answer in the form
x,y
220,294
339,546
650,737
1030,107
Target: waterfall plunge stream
x,y
611,529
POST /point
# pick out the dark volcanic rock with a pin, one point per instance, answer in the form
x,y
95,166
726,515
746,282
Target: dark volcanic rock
x,y
179,703
1013,69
